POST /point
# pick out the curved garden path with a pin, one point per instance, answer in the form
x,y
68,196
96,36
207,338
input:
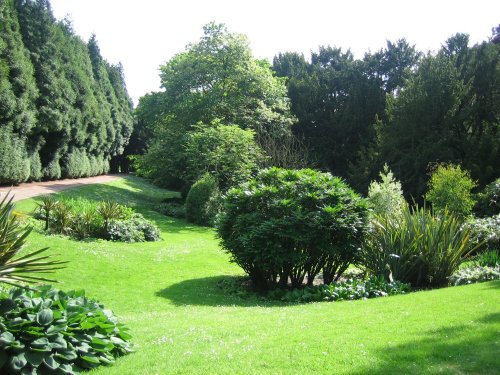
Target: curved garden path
x,y
34,189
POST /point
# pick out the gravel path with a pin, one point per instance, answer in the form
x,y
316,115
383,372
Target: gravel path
x,y
34,189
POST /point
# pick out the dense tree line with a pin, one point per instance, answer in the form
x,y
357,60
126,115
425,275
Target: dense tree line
x,y
64,110
401,107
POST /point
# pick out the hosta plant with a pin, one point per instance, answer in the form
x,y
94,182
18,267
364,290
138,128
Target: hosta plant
x,y
45,330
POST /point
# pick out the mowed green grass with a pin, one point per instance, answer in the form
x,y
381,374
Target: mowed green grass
x,y
182,323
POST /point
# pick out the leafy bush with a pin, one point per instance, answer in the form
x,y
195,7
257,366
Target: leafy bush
x,y
225,151
198,209
12,238
386,197
351,289
292,224
417,248
485,232
475,274
135,229
450,189
488,201
45,330
490,258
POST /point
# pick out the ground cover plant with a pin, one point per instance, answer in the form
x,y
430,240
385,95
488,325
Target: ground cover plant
x,y
182,322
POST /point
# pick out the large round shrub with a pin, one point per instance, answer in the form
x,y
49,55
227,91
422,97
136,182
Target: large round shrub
x,y
199,201
292,224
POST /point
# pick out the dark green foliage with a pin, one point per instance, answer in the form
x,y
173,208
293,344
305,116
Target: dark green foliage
x,y
292,224
12,238
45,330
59,117
174,208
448,113
351,289
475,274
135,229
14,162
488,200
199,201
417,247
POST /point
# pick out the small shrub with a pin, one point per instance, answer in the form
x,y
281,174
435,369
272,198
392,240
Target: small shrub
x,y
351,289
135,229
488,201
110,210
198,210
450,189
174,207
418,248
291,224
47,205
386,197
475,274
45,330
62,218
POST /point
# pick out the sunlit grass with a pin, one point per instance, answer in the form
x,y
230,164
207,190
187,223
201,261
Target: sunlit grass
x,y
182,323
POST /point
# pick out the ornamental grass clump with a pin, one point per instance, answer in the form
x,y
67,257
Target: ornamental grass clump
x,y
287,226
418,248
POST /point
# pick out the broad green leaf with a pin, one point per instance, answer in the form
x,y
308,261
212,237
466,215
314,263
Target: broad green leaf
x,y
17,362
50,362
6,338
45,317
34,358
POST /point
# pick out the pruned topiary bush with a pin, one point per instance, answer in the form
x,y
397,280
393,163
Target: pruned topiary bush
x,y
292,224
45,330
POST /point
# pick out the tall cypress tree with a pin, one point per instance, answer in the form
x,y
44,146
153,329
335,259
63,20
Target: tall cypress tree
x,y
18,92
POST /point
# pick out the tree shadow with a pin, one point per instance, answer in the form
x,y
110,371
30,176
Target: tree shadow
x,y
207,291
470,348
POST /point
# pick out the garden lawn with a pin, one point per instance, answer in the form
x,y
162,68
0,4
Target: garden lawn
x,y
182,323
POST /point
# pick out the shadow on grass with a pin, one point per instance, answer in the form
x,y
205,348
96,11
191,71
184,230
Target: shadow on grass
x,y
472,348
206,291
131,191
138,194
